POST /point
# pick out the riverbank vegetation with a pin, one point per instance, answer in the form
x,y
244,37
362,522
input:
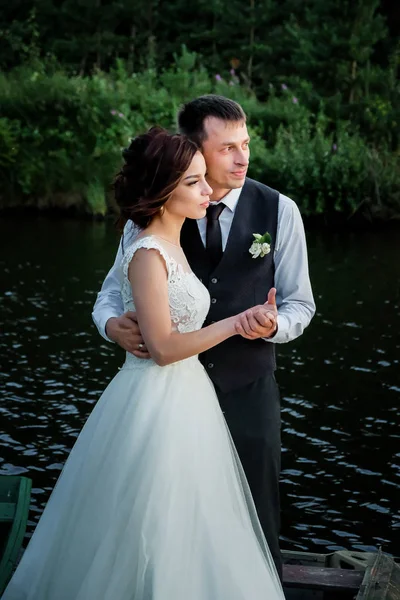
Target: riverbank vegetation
x,y
319,83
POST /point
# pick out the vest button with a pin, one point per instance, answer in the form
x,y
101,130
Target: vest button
x,y
210,365
213,300
214,280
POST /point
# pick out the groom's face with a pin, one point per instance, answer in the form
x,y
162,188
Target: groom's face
x,y
226,151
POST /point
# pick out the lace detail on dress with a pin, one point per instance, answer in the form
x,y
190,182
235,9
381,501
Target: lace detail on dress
x,y
147,242
189,300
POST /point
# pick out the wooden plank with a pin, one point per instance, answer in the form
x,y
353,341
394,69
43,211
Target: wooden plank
x,y
322,578
311,559
345,559
381,580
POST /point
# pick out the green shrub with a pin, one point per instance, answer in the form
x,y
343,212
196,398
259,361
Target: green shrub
x,y
332,172
61,138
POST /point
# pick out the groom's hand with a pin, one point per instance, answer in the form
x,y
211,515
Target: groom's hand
x,y
272,310
125,332
270,304
259,321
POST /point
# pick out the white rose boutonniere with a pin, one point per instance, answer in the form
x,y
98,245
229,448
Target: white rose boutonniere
x,y
261,245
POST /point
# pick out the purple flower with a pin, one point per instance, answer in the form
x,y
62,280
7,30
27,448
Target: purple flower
x,y
113,112
218,77
295,100
120,115
334,147
232,72
284,86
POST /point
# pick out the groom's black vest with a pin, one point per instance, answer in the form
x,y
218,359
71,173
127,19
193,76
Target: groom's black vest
x,y
237,283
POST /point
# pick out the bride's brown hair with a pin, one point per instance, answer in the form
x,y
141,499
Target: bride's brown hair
x,y
154,165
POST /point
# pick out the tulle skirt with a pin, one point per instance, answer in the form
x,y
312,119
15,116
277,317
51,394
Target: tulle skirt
x,y
152,503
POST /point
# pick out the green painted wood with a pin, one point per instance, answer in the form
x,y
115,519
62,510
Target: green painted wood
x,y
14,490
7,512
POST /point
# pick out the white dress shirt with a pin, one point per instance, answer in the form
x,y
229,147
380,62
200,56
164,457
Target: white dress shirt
x,y
294,296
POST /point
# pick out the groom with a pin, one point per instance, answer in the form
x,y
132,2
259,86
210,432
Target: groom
x,y
217,248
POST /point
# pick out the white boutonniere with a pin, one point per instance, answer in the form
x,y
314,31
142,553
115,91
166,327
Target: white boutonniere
x,y
261,245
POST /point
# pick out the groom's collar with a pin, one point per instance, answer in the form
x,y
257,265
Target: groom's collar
x,y
231,199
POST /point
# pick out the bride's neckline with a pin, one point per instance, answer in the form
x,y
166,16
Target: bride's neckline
x,y
164,239
179,264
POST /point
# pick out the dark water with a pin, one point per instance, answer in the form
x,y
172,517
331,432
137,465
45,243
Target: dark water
x,y
340,382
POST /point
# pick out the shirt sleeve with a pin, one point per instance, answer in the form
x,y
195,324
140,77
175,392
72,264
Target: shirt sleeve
x,y
294,295
109,300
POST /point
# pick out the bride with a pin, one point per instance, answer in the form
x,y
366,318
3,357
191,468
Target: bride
x,y
153,503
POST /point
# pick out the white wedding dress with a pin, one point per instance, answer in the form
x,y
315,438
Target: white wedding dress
x,y
152,503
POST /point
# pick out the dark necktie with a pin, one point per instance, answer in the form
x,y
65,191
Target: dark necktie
x,y
213,234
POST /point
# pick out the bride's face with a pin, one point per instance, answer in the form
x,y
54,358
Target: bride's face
x,y
190,199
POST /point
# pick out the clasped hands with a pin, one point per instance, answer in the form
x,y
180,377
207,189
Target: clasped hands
x,y
259,321
256,322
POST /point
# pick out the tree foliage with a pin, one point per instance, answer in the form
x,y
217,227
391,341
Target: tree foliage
x,y
317,78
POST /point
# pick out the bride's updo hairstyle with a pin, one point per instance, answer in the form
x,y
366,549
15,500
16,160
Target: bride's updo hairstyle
x,y
154,165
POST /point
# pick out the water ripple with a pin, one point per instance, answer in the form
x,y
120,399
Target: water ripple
x,y
339,382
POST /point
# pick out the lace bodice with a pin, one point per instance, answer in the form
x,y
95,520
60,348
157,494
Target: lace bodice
x,y
189,300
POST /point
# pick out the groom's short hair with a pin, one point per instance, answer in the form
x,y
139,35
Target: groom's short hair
x,y
192,115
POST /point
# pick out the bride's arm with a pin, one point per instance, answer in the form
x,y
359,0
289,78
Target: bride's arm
x,y
148,277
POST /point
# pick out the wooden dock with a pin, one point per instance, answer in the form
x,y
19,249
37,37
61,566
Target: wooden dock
x,y
342,575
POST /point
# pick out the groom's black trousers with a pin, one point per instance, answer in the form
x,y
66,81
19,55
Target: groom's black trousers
x,y
253,415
